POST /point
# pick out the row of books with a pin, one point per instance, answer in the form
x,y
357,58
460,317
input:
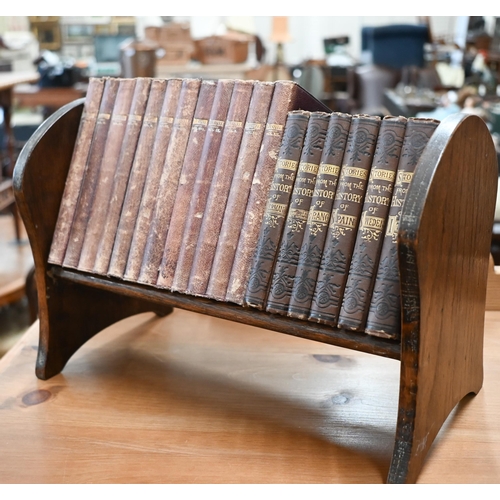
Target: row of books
x,y
327,246
241,191
167,183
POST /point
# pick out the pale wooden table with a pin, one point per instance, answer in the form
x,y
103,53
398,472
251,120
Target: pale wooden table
x,y
193,399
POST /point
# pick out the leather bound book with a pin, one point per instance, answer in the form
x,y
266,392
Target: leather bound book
x,y
344,219
219,188
126,158
240,188
186,182
87,191
365,257
202,184
76,170
146,169
165,196
384,316
109,163
319,216
276,208
287,96
293,234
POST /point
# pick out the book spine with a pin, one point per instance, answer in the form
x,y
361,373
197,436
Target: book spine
x,y
167,188
365,257
344,219
319,216
276,209
202,184
82,210
186,183
219,188
303,190
287,96
120,181
240,188
76,170
109,162
148,161
384,315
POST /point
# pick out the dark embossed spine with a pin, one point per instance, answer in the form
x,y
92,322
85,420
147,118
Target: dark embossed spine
x,y
344,219
384,316
293,233
366,253
319,216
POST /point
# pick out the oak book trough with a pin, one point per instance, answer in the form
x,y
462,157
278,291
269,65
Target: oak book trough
x,y
443,249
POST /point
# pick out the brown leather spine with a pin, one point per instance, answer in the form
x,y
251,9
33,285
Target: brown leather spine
x,y
109,163
319,216
293,234
344,219
240,188
120,181
82,210
186,183
276,208
146,170
287,96
167,188
384,316
202,184
77,170
219,188
365,257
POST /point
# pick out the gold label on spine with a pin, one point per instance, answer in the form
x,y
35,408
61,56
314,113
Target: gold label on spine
x,y
310,168
287,164
216,125
232,124
358,173
276,209
371,222
199,121
182,122
404,178
103,117
343,220
119,119
379,174
328,169
318,216
392,227
167,120
252,127
274,129
298,213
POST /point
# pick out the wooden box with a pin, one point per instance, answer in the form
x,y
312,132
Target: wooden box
x,y
222,50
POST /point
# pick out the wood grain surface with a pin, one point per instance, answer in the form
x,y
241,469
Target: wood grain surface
x,y
193,399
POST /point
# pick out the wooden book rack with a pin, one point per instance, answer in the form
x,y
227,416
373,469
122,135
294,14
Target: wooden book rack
x,y
443,245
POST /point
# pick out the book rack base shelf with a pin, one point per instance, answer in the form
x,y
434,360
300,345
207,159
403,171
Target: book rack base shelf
x,y
443,248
